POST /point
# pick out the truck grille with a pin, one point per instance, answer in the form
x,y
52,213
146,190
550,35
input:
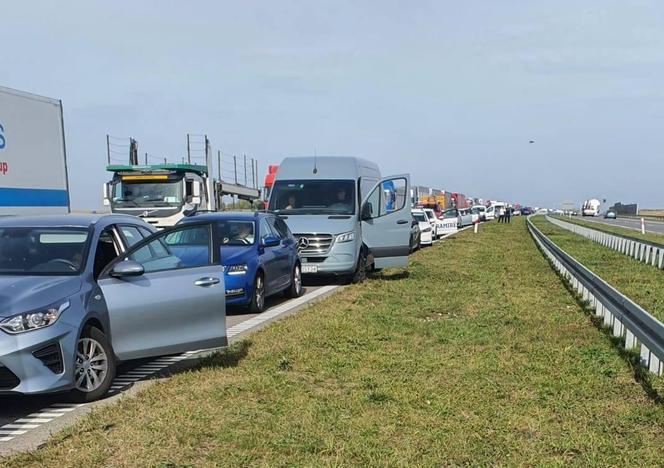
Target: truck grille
x,y
7,379
315,244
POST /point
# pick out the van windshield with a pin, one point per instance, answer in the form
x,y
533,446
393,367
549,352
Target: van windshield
x,y
313,197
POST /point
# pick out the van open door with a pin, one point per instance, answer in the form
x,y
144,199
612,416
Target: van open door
x,y
386,221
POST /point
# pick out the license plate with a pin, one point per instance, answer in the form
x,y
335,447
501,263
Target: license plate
x,y
309,268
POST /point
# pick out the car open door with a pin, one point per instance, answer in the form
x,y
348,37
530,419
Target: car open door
x,y
386,219
166,295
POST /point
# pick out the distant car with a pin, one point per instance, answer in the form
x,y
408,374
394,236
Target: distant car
x,y
516,212
558,212
415,234
611,214
436,223
426,231
526,211
479,210
80,293
466,218
259,255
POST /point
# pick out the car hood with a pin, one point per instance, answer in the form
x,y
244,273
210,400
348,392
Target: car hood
x,y
236,254
25,293
320,224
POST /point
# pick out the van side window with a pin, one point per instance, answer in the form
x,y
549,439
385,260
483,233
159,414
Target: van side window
x,y
366,184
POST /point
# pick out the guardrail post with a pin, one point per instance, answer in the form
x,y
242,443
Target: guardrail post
x,y
630,340
645,355
617,328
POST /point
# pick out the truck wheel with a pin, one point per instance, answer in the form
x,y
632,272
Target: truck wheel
x,y
295,289
257,304
361,269
94,366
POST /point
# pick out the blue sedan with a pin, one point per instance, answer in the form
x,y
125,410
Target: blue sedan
x,y
259,255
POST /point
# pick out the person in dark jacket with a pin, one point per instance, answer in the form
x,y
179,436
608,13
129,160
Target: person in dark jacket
x,y
508,214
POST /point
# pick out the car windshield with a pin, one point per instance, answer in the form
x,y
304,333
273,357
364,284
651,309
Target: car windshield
x,y
450,214
42,251
147,193
420,217
236,232
313,197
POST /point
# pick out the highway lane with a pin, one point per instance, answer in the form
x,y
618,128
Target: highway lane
x,y
18,412
656,227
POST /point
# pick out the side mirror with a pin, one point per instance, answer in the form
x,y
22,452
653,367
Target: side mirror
x,y
366,212
189,209
106,194
127,268
270,241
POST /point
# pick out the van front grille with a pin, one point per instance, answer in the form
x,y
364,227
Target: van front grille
x,y
315,244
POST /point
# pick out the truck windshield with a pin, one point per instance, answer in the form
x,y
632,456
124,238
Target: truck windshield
x,y
42,251
147,193
313,197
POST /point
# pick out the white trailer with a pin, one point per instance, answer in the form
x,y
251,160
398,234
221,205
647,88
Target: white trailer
x,y
590,207
33,164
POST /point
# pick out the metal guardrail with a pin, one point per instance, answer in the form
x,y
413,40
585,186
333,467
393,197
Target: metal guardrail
x,y
627,320
639,249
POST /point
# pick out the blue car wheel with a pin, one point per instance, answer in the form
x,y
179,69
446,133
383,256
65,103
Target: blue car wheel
x,y
257,304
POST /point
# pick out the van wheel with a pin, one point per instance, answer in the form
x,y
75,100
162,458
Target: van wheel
x,y
257,304
94,366
361,269
295,289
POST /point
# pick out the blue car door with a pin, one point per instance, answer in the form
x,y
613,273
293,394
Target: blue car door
x,y
285,252
269,258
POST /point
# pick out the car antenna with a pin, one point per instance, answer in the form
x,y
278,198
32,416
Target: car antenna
x,y
315,166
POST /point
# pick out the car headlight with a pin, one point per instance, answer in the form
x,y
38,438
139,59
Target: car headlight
x,y
237,269
346,236
33,320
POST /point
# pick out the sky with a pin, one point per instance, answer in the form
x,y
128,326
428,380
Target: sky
x,y
450,92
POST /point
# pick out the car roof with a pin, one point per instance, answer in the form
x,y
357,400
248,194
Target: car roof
x,y
68,220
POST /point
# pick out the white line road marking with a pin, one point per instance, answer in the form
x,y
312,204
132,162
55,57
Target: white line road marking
x,y
67,405
20,426
44,414
5,439
14,432
34,420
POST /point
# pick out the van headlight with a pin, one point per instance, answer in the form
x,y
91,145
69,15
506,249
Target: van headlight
x,y
33,320
346,237
237,269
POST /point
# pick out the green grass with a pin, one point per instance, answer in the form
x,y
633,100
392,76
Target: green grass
x,y
641,282
479,356
648,236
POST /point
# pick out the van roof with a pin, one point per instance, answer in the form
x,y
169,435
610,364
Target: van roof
x,y
327,167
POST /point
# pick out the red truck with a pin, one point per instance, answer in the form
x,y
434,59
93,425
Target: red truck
x,y
268,183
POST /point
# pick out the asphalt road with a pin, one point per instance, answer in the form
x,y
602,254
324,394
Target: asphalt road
x,y
629,223
25,421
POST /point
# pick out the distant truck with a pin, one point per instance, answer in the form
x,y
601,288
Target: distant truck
x,y
590,207
33,162
346,217
162,194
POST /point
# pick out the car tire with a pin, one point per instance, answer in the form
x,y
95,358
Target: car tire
x,y
94,356
295,289
360,273
257,304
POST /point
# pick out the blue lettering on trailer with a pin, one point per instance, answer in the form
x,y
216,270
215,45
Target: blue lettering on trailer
x,y
3,141
33,197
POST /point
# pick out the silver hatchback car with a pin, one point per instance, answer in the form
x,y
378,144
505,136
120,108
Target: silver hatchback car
x,y
79,294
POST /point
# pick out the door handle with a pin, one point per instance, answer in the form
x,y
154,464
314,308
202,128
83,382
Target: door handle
x,y
205,282
402,221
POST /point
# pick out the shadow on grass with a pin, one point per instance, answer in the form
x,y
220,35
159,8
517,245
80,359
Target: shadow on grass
x,y
227,357
390,276
641,374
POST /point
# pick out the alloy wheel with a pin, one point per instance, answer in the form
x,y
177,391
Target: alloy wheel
x,y
91,365
297,279
259,292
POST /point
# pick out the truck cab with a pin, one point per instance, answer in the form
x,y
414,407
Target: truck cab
x,y
346,218
160,194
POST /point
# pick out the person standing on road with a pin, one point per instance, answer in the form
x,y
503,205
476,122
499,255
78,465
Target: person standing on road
x,y
501,214
508,214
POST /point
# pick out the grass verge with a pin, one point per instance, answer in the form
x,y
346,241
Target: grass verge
x,y
641,282
478,356
648,236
